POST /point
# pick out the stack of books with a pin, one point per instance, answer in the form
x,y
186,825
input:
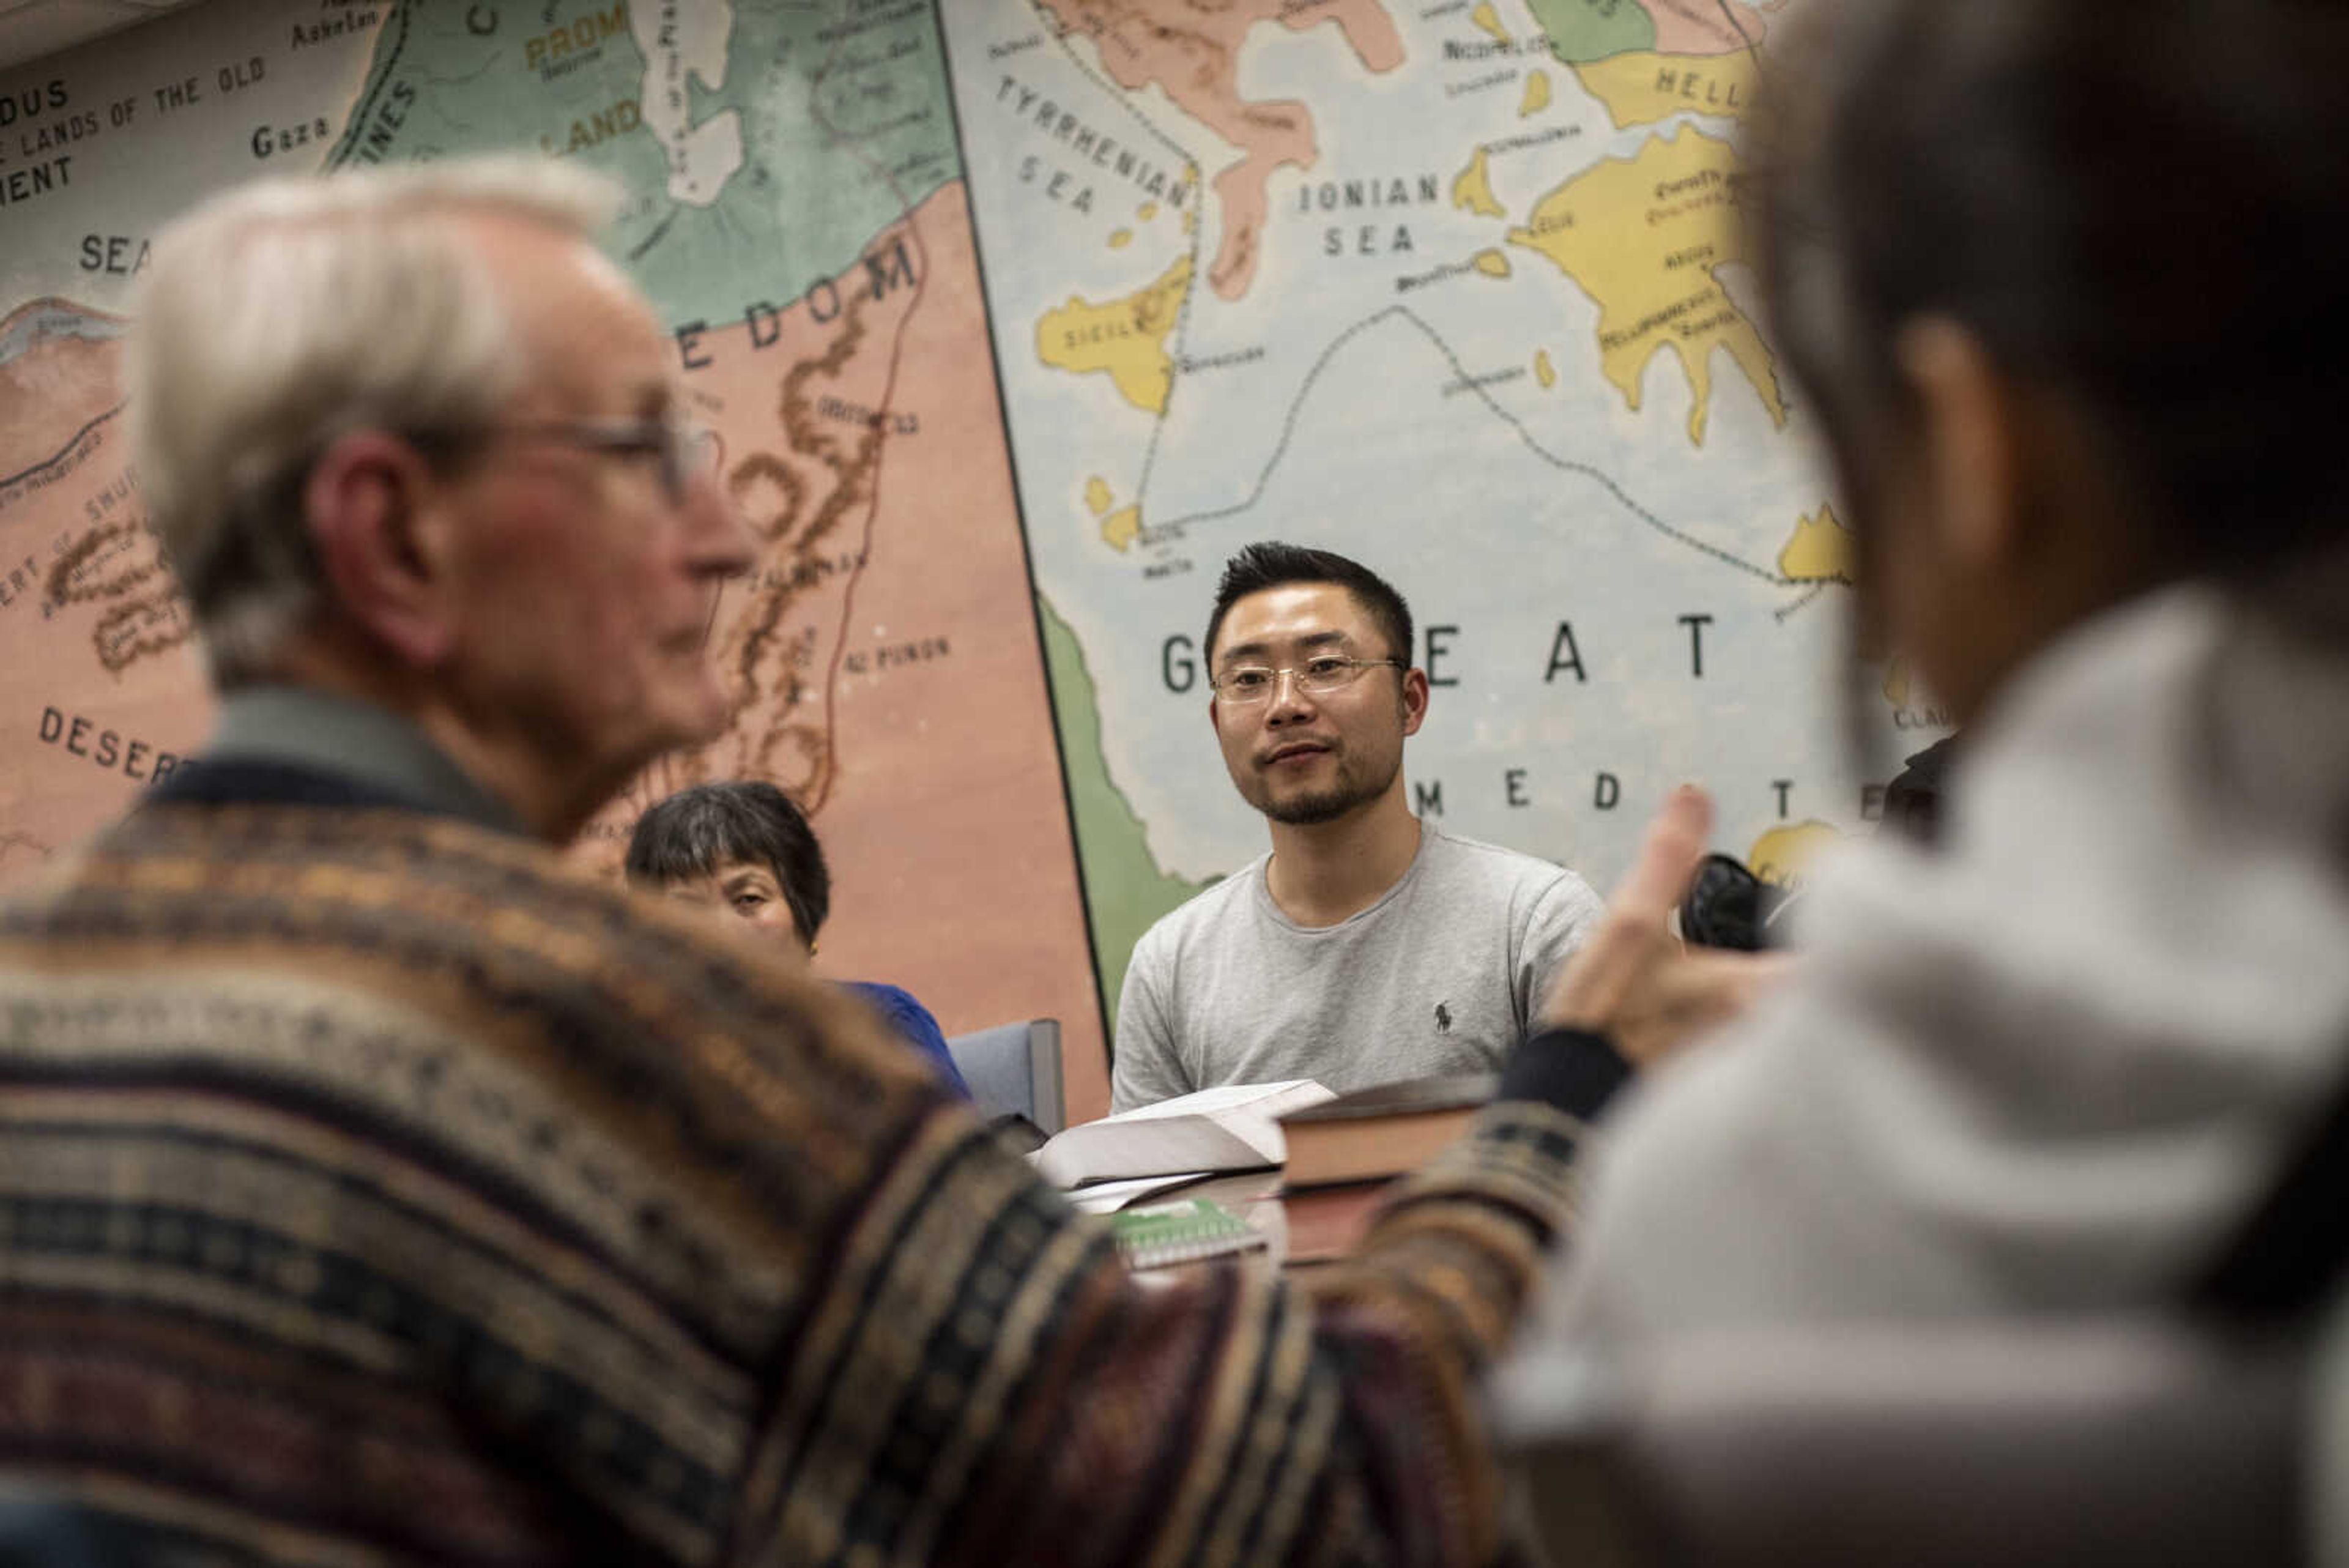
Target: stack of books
x,y
1336,1153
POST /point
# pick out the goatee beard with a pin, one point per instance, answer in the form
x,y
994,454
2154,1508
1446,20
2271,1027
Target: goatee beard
x,y
1307,810
1328,805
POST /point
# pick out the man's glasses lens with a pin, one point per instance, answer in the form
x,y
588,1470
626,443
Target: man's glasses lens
x,y
1330,672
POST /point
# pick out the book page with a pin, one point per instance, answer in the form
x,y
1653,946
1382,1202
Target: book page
x,y
1099,1151
1264,1099
1107,1197
1228,1129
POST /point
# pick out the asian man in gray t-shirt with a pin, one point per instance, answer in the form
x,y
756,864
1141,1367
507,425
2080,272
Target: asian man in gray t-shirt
x,y
1367,946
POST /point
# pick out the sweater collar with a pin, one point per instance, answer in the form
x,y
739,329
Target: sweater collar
x,y
305,727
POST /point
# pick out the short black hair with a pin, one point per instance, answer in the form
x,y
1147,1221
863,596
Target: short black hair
x,y
697,831
1270,563
2133,225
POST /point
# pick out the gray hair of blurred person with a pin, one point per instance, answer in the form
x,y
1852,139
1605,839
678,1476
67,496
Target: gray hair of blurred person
x,y
2141,207
287,312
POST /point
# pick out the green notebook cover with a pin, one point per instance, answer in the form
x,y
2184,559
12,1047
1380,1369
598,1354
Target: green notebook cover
x,y
1183,1232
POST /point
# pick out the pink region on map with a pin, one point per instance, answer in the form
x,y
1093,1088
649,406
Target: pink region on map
x,y
1707,27
100,689
1192,51
882,668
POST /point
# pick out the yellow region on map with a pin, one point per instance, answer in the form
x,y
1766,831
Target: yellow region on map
x,y
1643,237
1120,238
1820,551
1125,339
1098,495
1544,371
1122,528
1491,263
1536,96
1147,211
1640,88
1485,17
1783,857
1470,189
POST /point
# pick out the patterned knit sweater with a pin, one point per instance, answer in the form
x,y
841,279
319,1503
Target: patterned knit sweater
x,y
378,1188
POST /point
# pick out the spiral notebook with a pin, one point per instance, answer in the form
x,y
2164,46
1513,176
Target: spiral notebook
x,y
1167,1233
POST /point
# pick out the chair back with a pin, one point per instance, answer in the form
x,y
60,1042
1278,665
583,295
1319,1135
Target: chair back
x,y
42,1528
1014,1069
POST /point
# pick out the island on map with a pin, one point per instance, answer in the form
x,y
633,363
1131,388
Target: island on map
x,y
683,41
1471,188
1125,339
1192,53
1643,237
1785,856
1819,550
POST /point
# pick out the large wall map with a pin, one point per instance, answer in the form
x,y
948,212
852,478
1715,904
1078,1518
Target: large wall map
x,y
1454,288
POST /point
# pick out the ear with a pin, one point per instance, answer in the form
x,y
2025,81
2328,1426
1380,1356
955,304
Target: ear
x,y
1414,699
366,506
1972,438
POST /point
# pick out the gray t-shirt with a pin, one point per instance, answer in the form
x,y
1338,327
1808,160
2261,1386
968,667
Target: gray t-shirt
x,y
1441,975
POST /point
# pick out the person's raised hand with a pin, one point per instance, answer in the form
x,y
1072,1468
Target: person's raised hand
x,y
1634,981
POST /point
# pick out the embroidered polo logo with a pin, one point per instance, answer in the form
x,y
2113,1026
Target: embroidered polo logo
x,y
1443,1019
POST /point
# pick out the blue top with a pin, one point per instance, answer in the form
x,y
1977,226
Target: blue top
x,y
911,1020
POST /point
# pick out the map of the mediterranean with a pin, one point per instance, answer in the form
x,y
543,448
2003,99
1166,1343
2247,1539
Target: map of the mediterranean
x,y
1015,318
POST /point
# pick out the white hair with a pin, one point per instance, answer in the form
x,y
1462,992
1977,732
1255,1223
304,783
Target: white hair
x,y
285,312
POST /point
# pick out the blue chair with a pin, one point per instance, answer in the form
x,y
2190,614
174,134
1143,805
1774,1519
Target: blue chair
x,y
1014,1069
39,1529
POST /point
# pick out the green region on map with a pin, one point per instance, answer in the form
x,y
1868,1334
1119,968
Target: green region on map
x,y
1583,30
844,127
1125,889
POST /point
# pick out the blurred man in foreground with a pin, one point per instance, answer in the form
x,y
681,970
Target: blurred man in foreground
x,y
376,1186
2070,309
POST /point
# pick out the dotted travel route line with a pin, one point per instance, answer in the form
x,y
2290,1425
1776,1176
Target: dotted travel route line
x,y
1199,188
1060,36
1493,405
1787,612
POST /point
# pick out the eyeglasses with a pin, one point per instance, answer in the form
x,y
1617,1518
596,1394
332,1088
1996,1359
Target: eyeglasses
x,y
1316,677
683,452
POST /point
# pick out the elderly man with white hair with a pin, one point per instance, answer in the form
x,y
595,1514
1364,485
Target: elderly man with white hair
x,y
377,1186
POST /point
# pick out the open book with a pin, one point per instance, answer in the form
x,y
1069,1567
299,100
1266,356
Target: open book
x,y
1235,1127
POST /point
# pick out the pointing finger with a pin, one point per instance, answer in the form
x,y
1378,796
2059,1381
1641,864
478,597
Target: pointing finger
x,y
1668,858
